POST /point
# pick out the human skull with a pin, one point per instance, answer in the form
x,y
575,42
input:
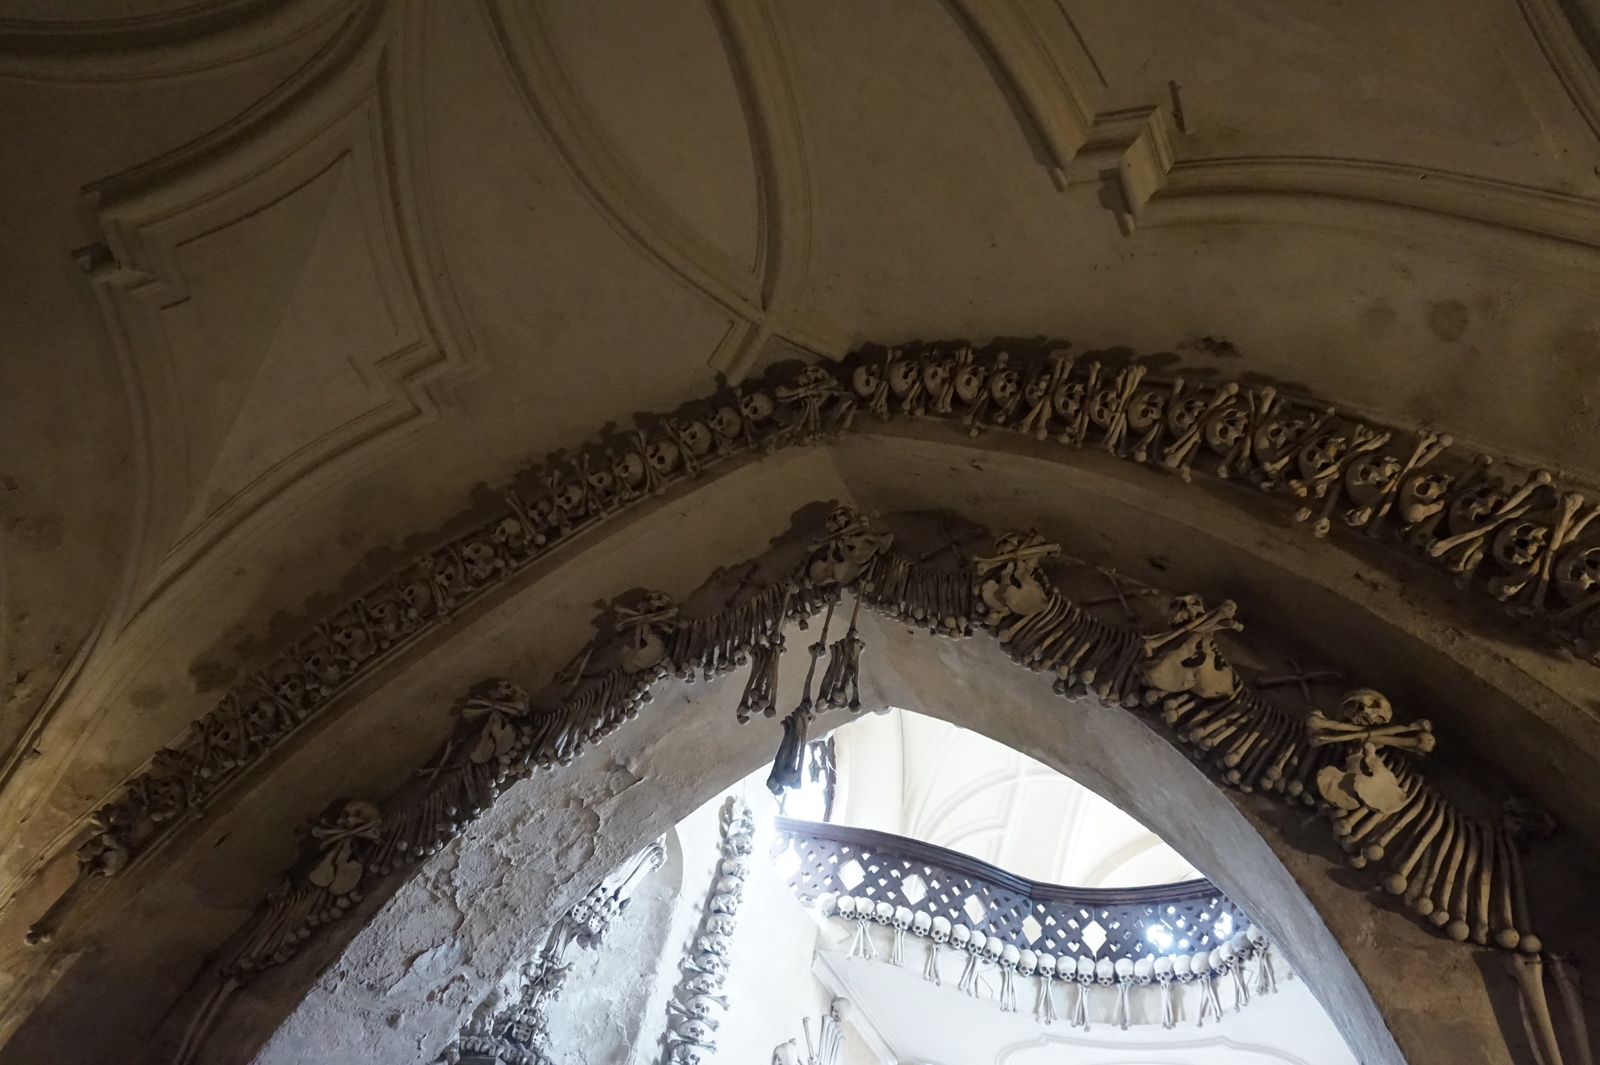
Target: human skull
x,y
969,382
826,903
1027,962
686,1054
1164,968
921,923
1368,476
1366,707
1255,936
1240,944
736,866
935,375
1422,495
866,379
701,1006
976,941
1321,455
1124,970
757,406
1182,966
960,934
1145,409
1225,428
695,1031
1004,387
721,923
1068,400
1219,958
696,437
703,983
714,964
1085,968
940,930
903,374
1105,973
1200,962
713,943
883,913
1046,966
1275,437
992,948
902,917
846,906
662,455
1578,574
1144,969
726,423
1519,544
569,497
1471,507
1010,957
1183,413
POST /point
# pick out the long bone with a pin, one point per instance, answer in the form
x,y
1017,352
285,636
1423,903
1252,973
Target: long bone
x,y
1566,976
1457,927
1037,421
1567,530
1384,831
1429,446
1488,859
1529,972
1506,934
1178,455
1515,506
1419,895
1122,391
1445,891
1075,433
1509,585
1265,766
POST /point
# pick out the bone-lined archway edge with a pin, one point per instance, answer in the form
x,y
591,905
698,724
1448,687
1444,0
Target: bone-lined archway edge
x,y
398,725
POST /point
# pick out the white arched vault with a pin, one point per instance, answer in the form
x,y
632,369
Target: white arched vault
x,y
1400,992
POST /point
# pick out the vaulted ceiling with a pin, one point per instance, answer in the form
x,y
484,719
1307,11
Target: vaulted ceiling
x,y
292,287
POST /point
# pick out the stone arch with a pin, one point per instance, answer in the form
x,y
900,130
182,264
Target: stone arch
x,y
671,544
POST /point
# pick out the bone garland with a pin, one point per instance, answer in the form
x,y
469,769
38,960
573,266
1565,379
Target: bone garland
x,y
1532,536
1126,978
691,1026
514,1029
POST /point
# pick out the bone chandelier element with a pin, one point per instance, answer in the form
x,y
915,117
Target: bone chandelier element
x,y
1529,538
1461,872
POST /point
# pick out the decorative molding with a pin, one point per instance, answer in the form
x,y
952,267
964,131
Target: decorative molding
x,y
333,148
1089,139
1516,536
514,1028
190,39
764,302
698,997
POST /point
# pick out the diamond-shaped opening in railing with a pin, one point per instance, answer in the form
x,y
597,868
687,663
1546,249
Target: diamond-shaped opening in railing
x,y
913,890
1031,930
1094,937
851,874
974,909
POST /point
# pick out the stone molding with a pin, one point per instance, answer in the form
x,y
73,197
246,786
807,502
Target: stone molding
x,y
1516,536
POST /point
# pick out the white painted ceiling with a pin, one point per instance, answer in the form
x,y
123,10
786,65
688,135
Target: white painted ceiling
x,y
919,776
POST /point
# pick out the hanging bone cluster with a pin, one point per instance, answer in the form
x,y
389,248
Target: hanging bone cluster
x,y
1528,542
512,1025
1243,962
692,1021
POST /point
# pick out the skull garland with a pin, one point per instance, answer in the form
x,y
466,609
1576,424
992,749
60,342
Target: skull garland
x,y
690,1021
1365,780
1010,582
1186,658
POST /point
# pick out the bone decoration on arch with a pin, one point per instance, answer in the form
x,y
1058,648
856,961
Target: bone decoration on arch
x,y
1453,859
1509,532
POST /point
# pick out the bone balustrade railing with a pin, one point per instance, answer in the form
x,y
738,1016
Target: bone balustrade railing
x,y
1508,529
1173,941
922,878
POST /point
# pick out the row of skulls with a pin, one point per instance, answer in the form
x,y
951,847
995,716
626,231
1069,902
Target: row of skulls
x,y
1229,957
689,1037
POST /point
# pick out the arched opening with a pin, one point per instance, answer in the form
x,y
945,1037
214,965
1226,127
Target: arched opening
x,y
1374,967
